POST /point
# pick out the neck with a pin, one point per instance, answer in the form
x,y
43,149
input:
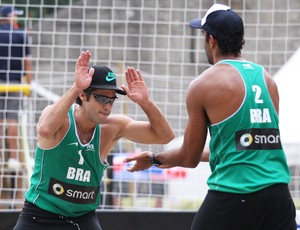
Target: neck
x,y
226,57
84,134
84,131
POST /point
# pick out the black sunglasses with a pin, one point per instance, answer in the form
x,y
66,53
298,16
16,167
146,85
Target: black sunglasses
x,y
103,100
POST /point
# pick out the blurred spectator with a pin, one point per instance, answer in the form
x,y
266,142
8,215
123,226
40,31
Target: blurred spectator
x,y
15,63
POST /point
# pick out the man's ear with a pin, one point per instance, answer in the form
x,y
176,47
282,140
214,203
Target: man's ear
x,y
82,95
212,41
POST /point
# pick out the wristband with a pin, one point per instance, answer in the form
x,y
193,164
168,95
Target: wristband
x,y
153,161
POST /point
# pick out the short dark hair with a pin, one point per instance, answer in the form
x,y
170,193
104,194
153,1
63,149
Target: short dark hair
x,y
232,44
87,92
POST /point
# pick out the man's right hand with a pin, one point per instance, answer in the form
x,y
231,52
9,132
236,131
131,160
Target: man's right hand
x,y
83,75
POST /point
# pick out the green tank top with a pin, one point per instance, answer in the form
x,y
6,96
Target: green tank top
x,y
246,151
66,178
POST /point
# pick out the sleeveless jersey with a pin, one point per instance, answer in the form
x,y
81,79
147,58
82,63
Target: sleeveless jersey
x,y
66,178
246,151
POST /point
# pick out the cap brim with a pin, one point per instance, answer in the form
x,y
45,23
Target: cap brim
x,y
196,23
109,87
120,91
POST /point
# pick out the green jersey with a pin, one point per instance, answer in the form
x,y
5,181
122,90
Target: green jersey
x,y
246,151
66,178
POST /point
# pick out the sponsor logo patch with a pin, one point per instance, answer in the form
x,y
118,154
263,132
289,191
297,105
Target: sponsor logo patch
x,y
258,139
73,193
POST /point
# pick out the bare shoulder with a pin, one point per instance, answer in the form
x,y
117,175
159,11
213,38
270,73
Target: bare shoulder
x,y
111,132
219,91
118,119
202,81
211,79
116,123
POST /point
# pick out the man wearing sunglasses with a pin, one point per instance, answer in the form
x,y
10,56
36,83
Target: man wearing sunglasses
x,y
74,141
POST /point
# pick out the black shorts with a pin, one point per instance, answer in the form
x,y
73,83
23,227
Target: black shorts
x,y
34,218
269,209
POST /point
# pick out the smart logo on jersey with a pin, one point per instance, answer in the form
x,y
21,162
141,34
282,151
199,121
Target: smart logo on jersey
x,y
73,193
257,139
58,189
246,139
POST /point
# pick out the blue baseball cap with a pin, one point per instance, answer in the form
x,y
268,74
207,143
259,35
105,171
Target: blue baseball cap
x,y
8,10
220,21
105,78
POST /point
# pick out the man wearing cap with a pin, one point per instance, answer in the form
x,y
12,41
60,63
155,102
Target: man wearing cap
x,y
15,62
74,141
238,102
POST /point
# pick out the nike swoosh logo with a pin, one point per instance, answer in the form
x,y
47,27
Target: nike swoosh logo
x,y
75,143
110,76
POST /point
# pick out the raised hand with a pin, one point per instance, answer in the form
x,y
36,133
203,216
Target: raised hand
x,y
142,161
83,76
137,89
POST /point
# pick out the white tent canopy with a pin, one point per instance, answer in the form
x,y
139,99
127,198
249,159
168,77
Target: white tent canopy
x,y
288,82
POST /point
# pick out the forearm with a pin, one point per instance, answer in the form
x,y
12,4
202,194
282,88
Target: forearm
x,y
158,122
164,159
53,116
175,157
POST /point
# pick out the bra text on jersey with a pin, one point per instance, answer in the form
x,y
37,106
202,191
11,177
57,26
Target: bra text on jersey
x,y
79,174
260,116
